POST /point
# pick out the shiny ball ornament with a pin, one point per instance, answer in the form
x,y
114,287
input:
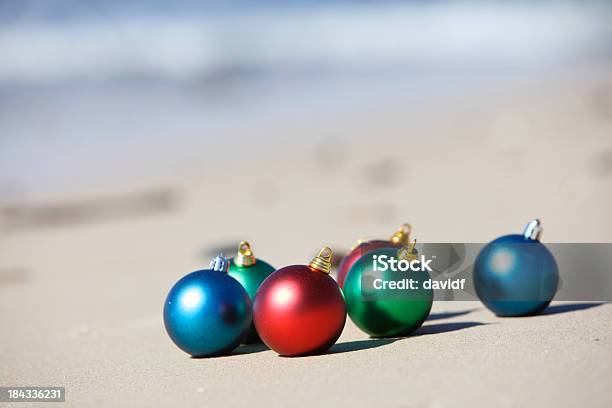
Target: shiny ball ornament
x,y
250,272
385,312
397,240
299,310
516,275
207,312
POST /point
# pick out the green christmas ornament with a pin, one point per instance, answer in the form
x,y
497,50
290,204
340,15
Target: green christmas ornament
x,y
250,272
383,298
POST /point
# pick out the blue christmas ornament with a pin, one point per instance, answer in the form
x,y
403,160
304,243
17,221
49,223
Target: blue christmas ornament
x,y
516,275
208,312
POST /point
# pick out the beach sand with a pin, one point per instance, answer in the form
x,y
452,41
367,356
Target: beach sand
x,y
82,295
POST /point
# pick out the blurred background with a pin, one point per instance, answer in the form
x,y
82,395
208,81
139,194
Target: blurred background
x,y
101,94
326,120
138,138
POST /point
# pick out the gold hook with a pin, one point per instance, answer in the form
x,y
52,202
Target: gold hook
x,y
408,252
244,256
322,262
402,235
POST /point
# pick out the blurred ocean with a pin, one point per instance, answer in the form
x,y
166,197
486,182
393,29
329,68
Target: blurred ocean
x,y
53,41
150,85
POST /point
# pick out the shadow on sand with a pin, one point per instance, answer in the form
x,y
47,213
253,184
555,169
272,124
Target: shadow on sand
x,y
357,345
371,343
251,348
439,328
573,307
449,315
242,349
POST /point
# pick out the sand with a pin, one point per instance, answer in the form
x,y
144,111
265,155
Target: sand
x,y
81,297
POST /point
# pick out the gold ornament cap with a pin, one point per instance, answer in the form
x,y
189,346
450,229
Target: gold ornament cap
x,y
244,256
408,252
322,262
402,235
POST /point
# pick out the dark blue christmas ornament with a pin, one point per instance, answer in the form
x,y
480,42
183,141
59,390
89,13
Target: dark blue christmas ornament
x,y
516,275
208,312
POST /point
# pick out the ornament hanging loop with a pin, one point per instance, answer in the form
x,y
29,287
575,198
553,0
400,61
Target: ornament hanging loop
x,y
322,262
219,263
408,252
533,230
244,256
402,235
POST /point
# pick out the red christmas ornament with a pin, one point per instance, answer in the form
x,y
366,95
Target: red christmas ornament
x,y
300,309
399,239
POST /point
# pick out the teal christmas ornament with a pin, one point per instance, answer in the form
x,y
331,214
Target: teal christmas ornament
x,y
250,272
207,312
516,275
